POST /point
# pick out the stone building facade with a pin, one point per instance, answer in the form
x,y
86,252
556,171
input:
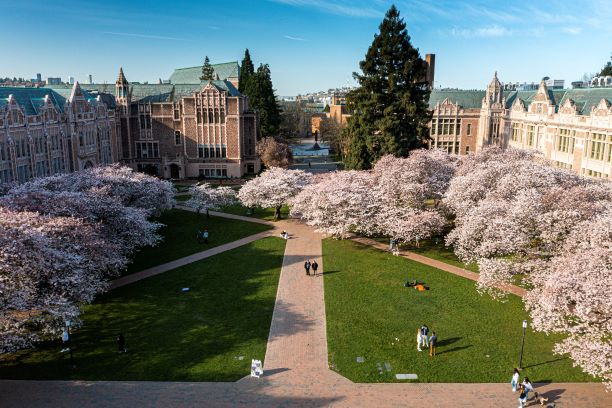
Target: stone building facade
x,y
45,132
571,127
184,130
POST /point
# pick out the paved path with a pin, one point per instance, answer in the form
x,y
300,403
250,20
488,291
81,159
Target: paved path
x,y
518,291
296,372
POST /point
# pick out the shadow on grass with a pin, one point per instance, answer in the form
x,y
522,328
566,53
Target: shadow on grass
x,y
546,362
171,335
446,342
455,349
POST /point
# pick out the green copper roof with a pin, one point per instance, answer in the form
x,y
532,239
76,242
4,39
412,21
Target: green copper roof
x,y
149,93
192,75
31,99
586,98
467,99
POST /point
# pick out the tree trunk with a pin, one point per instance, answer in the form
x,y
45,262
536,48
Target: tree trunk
x,y
277,213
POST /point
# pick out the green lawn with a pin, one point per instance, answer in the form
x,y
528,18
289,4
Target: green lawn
x,y
170,335
435,250
261,213
368,307
180,240
183,197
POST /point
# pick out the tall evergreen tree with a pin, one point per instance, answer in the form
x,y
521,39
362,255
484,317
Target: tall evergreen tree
x,y
607,69
389,109
246,71
208,72
261,98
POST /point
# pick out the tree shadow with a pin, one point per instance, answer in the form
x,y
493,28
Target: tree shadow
x,y
329,272
553,395
286,322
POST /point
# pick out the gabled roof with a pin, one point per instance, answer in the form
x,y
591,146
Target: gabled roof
x,y
191,75
150,93
467,99
31,99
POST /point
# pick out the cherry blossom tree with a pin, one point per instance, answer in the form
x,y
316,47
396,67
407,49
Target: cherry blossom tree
x,y
49,266
205,197
338,203
273,153
273,188
515,214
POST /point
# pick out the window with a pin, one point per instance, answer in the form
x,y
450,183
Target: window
x,y
517,132
145,121
199,116
200,151
458,127
222,117
218,152
450,146
600,146
469,130
530,135
147,150
223,151
467,149
565,141
177,137
177,113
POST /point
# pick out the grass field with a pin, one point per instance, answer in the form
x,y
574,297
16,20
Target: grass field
x,y
261,213
368,307
180,240
170,335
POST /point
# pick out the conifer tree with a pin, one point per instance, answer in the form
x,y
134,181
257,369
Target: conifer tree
x,y
607,69
262,99
389,109
246,71
208,72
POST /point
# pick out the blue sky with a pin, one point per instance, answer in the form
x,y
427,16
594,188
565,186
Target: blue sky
x,y
309,44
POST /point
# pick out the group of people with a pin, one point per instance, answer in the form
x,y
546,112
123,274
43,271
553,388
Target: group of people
x,y
284,235
202,236
393,248
424,341
314,265
524,388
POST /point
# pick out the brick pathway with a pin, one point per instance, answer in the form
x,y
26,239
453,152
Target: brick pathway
x,y
518,291
296,372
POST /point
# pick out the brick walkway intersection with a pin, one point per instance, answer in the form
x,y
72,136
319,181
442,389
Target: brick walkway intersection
x,y
296,368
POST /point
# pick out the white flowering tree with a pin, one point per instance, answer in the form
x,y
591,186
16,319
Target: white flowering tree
x,y
273,188
49,266
205,197
62,238
338,203
517,215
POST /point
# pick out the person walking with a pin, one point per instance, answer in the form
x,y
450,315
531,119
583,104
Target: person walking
x,y
522,396
528,387
433,342
419,340
424,331
307,265
515,380
205,236
315,266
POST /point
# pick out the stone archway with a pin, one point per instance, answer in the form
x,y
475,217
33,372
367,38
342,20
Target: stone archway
x,y
88,165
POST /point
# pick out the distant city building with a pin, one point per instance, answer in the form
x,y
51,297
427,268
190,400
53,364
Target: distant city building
x,y
602,82
45,131
71,80
38,78
90,79
54,81
571,127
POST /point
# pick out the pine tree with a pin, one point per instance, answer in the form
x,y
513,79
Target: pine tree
x,y
261,96
208,72
246,71
607,69
389,110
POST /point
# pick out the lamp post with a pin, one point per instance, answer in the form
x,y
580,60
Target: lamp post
x,y
522,344
68,322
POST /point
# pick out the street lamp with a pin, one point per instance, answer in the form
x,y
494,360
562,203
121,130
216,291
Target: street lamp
x,y
522,344
68,322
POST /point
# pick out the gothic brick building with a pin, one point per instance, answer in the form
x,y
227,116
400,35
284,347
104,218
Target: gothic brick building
x,y
571,127
45,131
186,128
